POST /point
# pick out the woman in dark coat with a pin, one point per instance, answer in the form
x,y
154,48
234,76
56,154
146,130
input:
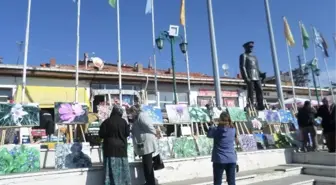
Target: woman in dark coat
x,y
115,131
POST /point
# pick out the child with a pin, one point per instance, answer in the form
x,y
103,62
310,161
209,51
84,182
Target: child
x,y
223,153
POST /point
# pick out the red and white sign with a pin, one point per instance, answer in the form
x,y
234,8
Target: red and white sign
x,y
206,92
229,102
38,132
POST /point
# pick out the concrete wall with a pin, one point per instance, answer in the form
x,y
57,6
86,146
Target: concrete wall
x,y
175,170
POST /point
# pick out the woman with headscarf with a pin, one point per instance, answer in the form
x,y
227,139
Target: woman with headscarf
x,y
224,157
144,139
115,131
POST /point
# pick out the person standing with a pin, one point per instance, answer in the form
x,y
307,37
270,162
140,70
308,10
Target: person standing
x,y
324,112
115,131
306,119
144,138
47,123
224,156
331,134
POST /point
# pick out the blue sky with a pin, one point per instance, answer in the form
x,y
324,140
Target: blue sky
x,y
53,31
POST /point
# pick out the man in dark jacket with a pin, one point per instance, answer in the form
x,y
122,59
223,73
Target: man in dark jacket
x,y
325,113
306,117
47,123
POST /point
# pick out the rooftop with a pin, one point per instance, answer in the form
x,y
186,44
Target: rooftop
x,y
137,68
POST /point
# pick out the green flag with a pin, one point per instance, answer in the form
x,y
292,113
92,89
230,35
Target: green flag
x,y
112,3
305,36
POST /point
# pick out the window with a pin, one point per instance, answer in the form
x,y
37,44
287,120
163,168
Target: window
x,y
203,100
230,102
151,98
110,86
163,105
3,99
114,86
167,98
5,94
182,97
96,86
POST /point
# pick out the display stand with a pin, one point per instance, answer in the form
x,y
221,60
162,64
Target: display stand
x,y
241,128
198,126
3,137
273,126
4,132
252,110
69,133
207,126
186,130
266,105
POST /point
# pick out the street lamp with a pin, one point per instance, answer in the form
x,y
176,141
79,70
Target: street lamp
x,y
183,47
315,71
171,38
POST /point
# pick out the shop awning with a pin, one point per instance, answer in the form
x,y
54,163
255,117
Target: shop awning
x,y
47,96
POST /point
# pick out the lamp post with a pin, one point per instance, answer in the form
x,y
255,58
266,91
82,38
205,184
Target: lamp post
x,y
315,71
171,38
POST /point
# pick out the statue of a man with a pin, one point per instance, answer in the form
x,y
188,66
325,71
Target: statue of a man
x,y
249,69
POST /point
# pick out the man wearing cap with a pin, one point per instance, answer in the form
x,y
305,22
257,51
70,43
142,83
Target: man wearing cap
x,y
249,70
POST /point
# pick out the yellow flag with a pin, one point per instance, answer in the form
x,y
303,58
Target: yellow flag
x,y
182,13
288,33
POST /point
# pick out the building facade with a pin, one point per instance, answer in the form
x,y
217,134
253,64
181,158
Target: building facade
x,y
51,83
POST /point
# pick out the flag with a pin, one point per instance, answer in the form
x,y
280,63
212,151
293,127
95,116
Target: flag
x,y
113,3
149,6
182,13
288,33
318,38
321,42
325,46
334,39
305,36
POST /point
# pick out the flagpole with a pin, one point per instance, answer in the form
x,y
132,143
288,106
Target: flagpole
x,y
25,59
154,57
291,75
213,45
304,58
187,60
329,79
315,55
77,50
274,54
119,54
